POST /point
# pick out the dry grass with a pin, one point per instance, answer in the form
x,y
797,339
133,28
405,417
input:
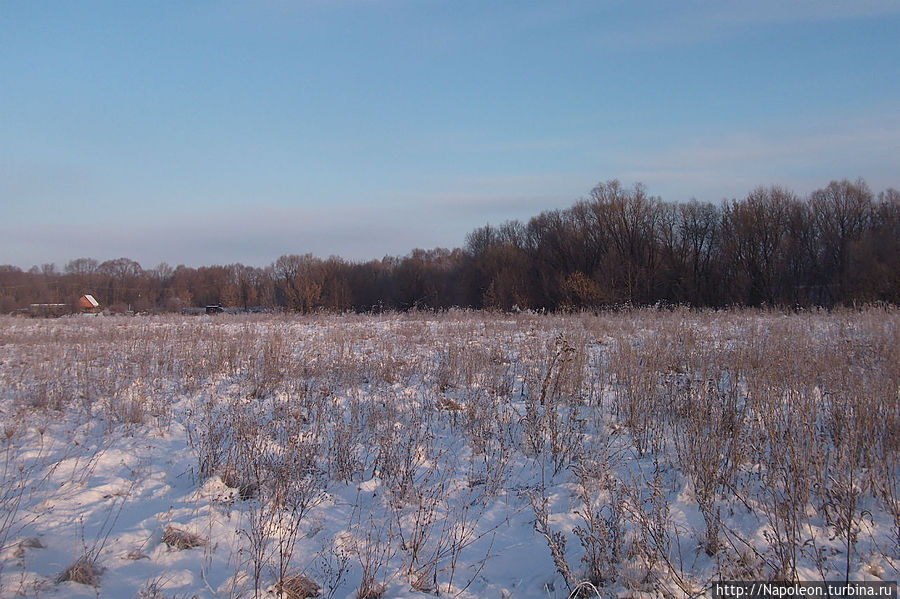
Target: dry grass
x,y
371,591
180,539
83,571
791,419
297,586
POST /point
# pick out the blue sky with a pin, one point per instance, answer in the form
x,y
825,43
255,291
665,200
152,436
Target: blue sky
x,y
217,132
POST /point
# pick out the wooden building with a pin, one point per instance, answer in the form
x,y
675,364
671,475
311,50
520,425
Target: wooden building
x,y
87,303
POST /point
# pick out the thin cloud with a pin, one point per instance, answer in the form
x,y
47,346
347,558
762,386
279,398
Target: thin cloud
x,y
251,236
686,23
476,205
776,11
730,165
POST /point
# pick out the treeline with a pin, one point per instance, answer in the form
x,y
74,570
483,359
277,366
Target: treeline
x,y
839,245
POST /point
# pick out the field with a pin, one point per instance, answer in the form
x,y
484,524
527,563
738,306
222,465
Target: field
x,y
462,454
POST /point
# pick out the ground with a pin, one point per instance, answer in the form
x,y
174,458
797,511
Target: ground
x,y
470,454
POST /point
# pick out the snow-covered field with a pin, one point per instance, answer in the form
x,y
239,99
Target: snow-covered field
x,y
463,454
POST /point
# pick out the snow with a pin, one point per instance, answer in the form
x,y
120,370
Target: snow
x,y
80,478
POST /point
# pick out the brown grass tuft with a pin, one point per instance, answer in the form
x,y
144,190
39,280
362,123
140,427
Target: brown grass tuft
x,y
177,538
297,586
83,571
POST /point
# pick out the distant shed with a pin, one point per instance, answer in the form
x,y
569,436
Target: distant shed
x,y
87,303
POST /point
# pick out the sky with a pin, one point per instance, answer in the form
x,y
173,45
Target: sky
x,y
217,132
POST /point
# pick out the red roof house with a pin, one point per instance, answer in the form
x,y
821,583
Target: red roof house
x,y
87,303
